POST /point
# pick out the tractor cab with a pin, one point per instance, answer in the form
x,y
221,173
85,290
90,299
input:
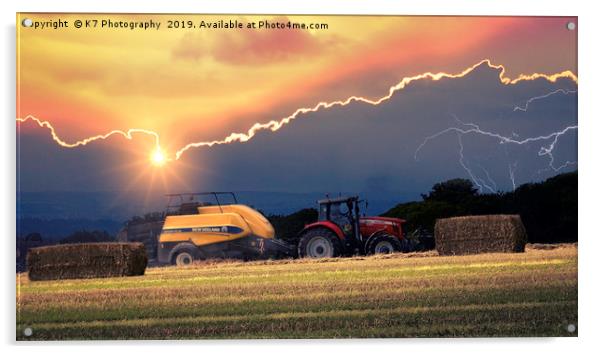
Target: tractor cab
x,y
343,212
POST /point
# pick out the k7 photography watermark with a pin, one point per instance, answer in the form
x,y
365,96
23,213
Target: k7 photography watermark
x,y
202,24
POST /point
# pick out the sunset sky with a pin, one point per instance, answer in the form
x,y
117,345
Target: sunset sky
x,y
80,90
192,85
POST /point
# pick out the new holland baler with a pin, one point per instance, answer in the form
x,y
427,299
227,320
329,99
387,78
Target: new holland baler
x,y
192,230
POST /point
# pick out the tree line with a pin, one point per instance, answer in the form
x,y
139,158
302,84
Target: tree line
x,y
548,209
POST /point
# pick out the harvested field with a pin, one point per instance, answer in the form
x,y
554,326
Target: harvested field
x,y
499,294
86,260
480,234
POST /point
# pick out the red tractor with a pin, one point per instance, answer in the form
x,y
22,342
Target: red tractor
x,y
340,230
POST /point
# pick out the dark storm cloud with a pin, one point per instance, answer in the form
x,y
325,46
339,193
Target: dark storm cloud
x,y
358,147
351,147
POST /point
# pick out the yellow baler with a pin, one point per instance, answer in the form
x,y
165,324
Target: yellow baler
x,y
217,231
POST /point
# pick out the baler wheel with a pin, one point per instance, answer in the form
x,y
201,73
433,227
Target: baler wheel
x,y
184,259
185,255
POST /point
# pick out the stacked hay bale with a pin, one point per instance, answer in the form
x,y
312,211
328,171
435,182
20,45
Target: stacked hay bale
x,y
86,260
480,234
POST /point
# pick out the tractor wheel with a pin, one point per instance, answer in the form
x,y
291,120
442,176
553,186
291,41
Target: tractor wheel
x,y
383,243
319,243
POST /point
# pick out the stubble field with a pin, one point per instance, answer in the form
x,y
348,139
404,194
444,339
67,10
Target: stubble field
x,y
402,295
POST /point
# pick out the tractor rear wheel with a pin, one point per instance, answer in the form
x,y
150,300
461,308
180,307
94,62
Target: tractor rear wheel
x,y
319,243
383,244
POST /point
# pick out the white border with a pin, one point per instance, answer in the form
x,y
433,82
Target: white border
x,y
590,178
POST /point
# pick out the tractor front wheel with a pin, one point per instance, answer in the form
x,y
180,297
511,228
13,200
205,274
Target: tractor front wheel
x,y
319,243
382,244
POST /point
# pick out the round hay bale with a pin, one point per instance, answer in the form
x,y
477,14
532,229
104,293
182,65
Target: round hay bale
x,y
86,260
480,234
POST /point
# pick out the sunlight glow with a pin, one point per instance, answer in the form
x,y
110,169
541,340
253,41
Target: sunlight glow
x,y
158,157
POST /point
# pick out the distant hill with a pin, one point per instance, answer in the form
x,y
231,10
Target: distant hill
x,y
111,208
57,229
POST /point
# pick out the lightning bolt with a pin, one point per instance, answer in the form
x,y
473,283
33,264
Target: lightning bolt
x,y
489,179
548,151
477,181
511,171
471,128
275,125
555,92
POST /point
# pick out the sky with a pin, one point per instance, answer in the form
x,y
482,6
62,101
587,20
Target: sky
x,y
180,86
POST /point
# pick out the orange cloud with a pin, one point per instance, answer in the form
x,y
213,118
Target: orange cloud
x,y
195,85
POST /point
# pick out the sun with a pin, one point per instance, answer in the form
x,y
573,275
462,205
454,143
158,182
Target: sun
x,y
158,157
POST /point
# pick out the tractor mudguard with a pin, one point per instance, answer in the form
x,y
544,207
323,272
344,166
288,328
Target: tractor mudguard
x,y
327,224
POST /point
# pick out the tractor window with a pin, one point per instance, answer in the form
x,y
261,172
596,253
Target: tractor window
x,y
344,209
335,210
340,211
323,211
